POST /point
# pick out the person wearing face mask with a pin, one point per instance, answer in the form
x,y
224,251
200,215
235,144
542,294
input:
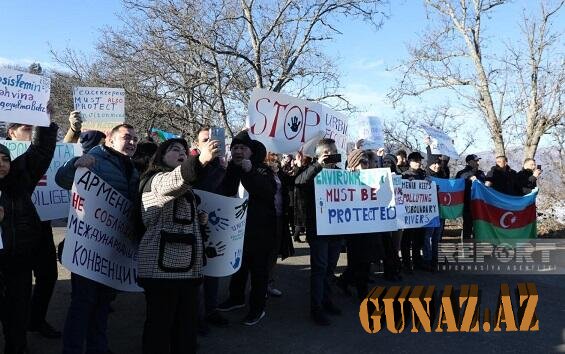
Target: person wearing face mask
x,y
21,232
324,250
87,316
171,252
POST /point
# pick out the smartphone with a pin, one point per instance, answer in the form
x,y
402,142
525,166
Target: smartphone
x,y
334,158
539,167
219,134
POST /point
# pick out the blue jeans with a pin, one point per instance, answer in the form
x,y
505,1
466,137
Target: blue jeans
x,y
324,254
432,236
87,318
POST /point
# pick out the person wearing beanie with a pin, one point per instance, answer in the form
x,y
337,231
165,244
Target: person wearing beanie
x,y
248,168
90,138
361,248
21,231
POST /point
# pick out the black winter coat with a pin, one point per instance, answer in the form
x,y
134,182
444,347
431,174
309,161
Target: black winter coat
x,y
466,174
503,180
411,174
21,226
525,182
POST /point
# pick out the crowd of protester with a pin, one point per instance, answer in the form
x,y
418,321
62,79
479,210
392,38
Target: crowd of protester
x,y
180,301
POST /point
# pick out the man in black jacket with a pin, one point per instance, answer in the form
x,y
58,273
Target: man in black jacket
x,y
324,250
469,173
21,231
248,166
501,177
526,179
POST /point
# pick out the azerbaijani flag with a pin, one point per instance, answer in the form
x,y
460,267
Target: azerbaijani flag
x,y
497,216
161,135
450,197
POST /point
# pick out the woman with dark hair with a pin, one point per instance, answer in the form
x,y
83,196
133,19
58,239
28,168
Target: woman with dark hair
x,y
170,255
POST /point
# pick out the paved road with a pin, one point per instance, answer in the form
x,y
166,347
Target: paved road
x,y
288,329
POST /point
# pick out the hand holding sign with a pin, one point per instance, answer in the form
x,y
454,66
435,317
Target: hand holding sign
x,y
85,161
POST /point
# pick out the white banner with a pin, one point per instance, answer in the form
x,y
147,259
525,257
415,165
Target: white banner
x,y
368,128
96,242
24,97
285,124
223,245
50,200
101,108
354,202
416,203
441,143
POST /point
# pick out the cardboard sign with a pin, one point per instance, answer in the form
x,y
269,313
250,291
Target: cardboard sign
x,y
354,202
24,97
223,244
50,200
96,242
416,203
368,128
286,124
441,143
101,108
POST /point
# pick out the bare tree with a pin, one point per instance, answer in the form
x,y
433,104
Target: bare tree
x,y
454,56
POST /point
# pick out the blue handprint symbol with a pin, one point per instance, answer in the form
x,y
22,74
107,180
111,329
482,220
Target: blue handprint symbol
x,y
237,260
217,221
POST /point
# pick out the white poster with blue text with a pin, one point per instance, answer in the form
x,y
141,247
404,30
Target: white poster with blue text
x,y
369,129
416,203
354,202
50,200
24,97
223,239
101,108
97,245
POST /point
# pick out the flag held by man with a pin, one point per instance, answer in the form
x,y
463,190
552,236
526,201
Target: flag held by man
x,y
497,216
450,197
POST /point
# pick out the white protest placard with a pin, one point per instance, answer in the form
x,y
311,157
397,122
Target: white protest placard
x,y
368,128
24,97
50,200
354,202
223,244
101,108
96,243
416,203
441,143
285,124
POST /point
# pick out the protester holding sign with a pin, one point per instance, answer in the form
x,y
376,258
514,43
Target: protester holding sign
x,y
260,231
45,268
413,239
21,231
87,316
171,249
470,173
324,250
437,167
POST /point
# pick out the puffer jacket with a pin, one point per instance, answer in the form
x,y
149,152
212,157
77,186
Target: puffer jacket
x,y
21,226
171,247
114,168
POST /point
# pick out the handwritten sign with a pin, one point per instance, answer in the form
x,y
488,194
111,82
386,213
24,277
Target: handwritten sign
x,y
50,200
368,128
96,245
101,108
416,203
286,124
441,143
223,242
24,97
354,202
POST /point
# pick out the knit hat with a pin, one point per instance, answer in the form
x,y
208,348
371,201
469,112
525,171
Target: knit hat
x,y
259,152
354,158
243,139
390,158
4,150
90,138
